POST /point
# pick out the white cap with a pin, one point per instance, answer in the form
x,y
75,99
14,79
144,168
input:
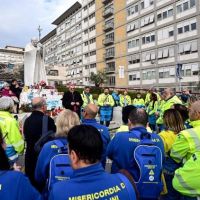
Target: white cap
x,y
6,103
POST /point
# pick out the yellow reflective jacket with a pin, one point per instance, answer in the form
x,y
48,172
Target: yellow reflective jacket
x,y
168,137
167,105
186,143
10,129
147,98
105,99
86,99
124,128
124,100
187,178
138,102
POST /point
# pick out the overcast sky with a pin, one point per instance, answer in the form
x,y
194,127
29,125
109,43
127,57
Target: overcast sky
x,y
19,19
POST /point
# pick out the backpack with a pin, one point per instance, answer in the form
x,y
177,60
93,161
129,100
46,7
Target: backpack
x,y
46,135
60,168
149,161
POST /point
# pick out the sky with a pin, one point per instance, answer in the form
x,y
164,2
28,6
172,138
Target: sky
x,y
19,19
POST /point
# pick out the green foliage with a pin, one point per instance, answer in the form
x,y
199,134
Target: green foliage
x,y
98,79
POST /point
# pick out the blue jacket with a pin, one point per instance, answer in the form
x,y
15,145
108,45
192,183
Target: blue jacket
x,y
116,98
105,135
15,186
90,183
48,151
122,147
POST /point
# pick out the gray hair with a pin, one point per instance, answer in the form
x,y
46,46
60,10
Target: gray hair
x,y
38,103
6,103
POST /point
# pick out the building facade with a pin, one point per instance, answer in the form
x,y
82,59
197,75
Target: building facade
x,y
11,63
137,43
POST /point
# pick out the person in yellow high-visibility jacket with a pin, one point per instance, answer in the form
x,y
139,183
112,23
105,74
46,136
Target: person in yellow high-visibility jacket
x,y
10,130
148,96
188,141
125,99
138,102
87,97
106,103
187,178
170,99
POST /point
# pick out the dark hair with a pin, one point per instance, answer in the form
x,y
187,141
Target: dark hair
x,y
87,87
125,113
154,98
183,111
173,121
138,116
13,80
4,163
86,141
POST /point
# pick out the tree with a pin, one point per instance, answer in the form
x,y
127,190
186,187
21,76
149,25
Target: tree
x,y
98,78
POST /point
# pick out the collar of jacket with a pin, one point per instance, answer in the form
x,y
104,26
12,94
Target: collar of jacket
x,y
195,124
90,170
6,113
89,121
170,98
140,129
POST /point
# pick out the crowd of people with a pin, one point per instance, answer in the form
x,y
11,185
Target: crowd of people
x,y
154,154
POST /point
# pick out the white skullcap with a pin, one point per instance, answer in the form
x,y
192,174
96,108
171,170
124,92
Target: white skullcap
x,y
6,84
6,103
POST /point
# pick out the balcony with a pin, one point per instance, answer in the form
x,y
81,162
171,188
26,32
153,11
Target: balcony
x,y
106,1
108,12
108,41
109,55
110,68
108,26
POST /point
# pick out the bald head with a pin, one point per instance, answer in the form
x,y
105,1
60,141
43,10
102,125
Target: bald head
x,y
138,117
91,111
194,111
38,103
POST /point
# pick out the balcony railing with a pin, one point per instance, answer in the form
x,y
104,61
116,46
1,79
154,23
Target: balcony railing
x,y
109,69
109,26
108,12
108,41
109,55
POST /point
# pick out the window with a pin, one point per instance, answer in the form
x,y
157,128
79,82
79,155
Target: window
x,y
92,53
133,43
165,33
85,8
86,43
148,56
147,20
193,26
111,80
132,26
180,30
188,47
91,3
149,75
166,52
186,5
92,28
133,59
148,38
146,3
93,65
85,20
132,9
187,26
92,40
92,16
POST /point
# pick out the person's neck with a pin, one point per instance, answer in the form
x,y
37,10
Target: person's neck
x,y
135,126
88,117
39,110
83,164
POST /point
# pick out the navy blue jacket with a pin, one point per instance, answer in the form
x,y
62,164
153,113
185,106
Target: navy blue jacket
x,y
122,147
48,151
15,186
105,135
90,183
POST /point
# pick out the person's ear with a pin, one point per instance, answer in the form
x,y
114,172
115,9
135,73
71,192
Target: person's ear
x,y
129,123
74,159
